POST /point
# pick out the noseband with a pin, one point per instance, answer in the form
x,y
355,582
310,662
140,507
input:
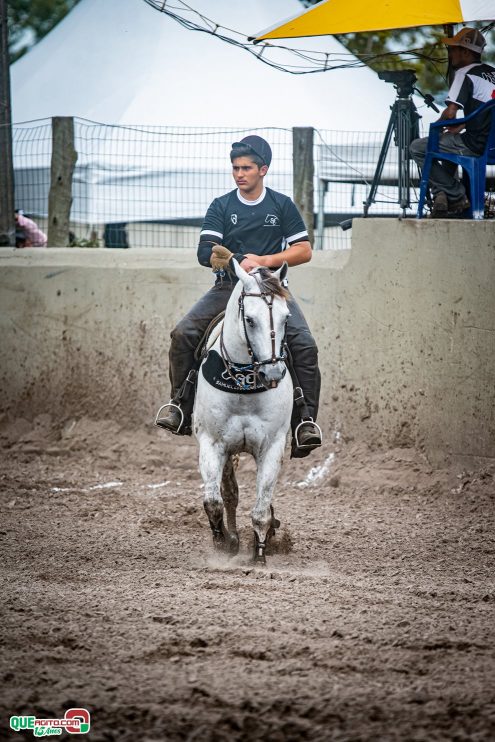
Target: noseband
x,y
255,365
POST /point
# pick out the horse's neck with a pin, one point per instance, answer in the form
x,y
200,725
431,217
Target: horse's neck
x,y
233,336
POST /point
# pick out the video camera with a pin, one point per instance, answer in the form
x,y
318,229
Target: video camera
x,y
403,80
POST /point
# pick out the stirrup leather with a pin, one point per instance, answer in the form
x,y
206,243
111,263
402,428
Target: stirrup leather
x,y
307,445
177,407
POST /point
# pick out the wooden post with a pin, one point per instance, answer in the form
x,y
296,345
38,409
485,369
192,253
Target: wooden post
x,y
303,174
64,157
7,222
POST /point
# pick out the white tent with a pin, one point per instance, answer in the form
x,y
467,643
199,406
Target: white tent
x,y
123,63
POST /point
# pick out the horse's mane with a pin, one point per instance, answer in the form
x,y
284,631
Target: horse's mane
x,y
269,283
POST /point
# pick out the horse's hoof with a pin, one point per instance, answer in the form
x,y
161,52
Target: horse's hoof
x,y
259,551
233,545
219,544
218,538
275,523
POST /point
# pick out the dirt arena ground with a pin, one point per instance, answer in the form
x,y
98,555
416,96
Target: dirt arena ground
x,y
373,621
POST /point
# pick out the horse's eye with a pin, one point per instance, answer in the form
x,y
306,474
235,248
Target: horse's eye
x,y
250,321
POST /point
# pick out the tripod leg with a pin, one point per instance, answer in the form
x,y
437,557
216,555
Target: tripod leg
x,y
407,130
381,160
403,139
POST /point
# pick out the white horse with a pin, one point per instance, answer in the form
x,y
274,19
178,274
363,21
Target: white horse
x,y
250,355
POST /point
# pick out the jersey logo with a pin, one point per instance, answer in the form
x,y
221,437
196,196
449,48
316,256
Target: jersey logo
x,y
233,218
271,221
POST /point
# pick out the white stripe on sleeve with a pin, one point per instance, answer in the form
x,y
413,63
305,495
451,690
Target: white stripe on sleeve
x,y
209,231
297,237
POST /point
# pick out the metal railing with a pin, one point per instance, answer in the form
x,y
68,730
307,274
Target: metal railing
x,y
150,186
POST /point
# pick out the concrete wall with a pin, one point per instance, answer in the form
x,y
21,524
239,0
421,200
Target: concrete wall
x,y
405,323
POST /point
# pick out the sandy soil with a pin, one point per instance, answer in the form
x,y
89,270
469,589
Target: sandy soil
x,y
374,621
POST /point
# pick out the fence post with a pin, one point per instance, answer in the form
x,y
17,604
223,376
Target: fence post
x,y
303,174
64,158
7,222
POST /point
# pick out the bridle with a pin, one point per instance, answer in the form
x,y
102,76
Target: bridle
x,y
255,365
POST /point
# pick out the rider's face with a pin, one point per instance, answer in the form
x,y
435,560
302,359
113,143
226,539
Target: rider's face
x,y
248,176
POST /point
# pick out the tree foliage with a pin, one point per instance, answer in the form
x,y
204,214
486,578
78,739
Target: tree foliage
x,y
30,20
419,49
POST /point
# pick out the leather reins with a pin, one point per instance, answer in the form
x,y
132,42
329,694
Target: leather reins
x,y
255,364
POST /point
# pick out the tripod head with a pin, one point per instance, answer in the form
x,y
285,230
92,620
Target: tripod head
x,y
402,80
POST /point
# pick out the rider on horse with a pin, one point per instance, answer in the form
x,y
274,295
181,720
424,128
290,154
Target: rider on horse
x,y
258,227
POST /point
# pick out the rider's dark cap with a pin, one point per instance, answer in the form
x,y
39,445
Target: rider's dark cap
x,y
260,147
469,38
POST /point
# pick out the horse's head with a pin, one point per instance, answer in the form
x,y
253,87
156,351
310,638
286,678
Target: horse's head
x,y
263,316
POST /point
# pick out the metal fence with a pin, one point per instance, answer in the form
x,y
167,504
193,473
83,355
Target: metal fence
x,y
150,186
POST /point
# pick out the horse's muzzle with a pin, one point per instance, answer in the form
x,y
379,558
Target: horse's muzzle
x,y
271,373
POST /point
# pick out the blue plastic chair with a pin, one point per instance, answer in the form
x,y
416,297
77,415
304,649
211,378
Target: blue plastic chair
x,y
474,167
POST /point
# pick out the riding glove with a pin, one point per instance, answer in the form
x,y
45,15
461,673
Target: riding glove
x,y
220,257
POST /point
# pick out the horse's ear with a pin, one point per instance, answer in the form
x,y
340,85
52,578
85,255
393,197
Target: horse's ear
x,y
240,272
281,273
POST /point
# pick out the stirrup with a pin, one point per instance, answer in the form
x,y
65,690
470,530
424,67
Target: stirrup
x,y
170,404
307,445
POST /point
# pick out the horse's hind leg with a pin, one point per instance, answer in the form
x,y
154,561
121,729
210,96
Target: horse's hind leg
x,y
264,521
230,495
212,460
274,524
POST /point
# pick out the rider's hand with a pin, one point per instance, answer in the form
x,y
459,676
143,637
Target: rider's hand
x,y
220,257
256,260
250,262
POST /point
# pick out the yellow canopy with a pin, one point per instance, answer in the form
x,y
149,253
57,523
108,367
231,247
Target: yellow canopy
x,y
355,16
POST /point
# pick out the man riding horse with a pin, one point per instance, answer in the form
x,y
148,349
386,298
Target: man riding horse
x,y
258,227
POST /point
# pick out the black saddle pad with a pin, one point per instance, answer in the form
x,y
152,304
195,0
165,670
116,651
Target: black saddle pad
x,y
216,374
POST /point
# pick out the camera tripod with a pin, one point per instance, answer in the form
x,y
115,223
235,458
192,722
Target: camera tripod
x,y
404,124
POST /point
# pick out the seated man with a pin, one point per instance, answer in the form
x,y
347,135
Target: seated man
x,y
473,85
258,227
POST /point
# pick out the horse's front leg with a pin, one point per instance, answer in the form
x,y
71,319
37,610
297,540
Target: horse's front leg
x,y
230,496
269,462
212,458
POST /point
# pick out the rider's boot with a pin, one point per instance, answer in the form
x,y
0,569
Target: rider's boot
x,y
178,412
307,436
175,419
